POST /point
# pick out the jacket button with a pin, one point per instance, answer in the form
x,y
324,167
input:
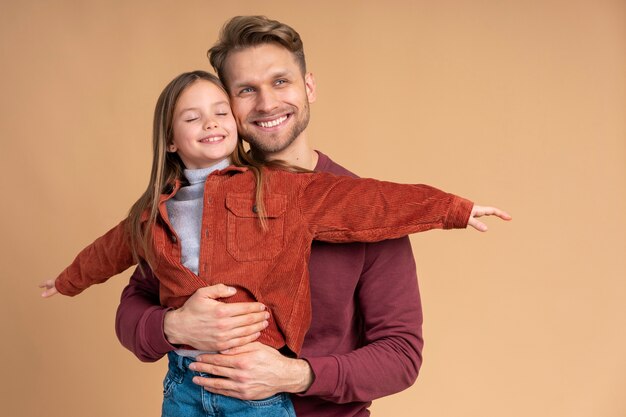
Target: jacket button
x,y
254,209
174,239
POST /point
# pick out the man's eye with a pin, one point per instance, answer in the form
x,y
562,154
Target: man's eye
x,y
279,82
246,90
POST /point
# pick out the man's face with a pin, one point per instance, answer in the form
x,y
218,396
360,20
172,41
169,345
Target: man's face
x,y
269,96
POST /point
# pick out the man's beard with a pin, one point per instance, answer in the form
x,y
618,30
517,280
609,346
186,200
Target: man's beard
x,y
269,143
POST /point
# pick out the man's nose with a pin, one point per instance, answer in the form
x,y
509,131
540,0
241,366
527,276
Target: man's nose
x,y
266,101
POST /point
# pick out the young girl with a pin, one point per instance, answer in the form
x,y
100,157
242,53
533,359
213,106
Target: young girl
x,y
212,214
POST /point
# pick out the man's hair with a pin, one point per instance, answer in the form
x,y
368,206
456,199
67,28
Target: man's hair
x,y
242,32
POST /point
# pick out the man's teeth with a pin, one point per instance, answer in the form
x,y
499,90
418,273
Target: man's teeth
x,y
273,123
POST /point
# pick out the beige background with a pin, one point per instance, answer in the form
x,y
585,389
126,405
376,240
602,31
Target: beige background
x,y
519,104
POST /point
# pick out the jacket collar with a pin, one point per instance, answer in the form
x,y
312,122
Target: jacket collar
x,y
177,184
231,169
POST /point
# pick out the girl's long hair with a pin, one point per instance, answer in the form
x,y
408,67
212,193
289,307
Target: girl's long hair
x,y
167,167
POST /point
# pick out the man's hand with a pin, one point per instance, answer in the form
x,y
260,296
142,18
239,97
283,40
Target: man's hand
x,y
207,324
252,372
479,211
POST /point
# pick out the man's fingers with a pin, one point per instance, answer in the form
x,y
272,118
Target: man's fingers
x,y
237,342
222,384
245,348
216,359
239,309
229,388
207,368
216,291
248,323
232,335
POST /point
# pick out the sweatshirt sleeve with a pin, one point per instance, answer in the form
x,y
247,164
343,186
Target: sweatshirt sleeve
x,y
139,318
390,356
344,209
107,256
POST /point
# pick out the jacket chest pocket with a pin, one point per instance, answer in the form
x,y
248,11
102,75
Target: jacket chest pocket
x,y
246,239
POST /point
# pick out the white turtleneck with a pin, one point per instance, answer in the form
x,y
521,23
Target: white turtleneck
x,y
185,213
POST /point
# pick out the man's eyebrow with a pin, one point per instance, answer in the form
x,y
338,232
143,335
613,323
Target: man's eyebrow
x,y
280,74
240,84
251,83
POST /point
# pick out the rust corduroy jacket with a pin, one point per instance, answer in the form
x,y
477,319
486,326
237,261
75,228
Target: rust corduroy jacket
x,y
270,266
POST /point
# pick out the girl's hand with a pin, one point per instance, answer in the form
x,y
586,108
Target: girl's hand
x,y
479,211
50,289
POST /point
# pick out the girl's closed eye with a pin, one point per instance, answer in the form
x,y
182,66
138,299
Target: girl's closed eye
x,y
222,110
189,116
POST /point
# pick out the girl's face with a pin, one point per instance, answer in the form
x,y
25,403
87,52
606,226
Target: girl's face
x,y
205,131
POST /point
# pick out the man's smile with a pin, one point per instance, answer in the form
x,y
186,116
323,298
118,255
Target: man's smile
x,y
272,122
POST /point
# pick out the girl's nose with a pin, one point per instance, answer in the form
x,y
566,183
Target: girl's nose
x,y
210,124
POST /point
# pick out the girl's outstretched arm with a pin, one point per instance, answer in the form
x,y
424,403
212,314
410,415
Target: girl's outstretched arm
x,y
50,289
479,211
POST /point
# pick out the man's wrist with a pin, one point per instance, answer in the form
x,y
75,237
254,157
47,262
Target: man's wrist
x,y
301,375
170,324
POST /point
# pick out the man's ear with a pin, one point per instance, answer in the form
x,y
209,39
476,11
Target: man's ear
x,y
309,84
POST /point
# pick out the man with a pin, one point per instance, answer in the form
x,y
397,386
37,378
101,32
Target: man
x,y
365,339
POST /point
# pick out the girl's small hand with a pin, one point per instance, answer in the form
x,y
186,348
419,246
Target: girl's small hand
x,y
479,211
50,289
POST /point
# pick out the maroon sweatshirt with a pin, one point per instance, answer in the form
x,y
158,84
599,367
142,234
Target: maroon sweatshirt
x,y
365,337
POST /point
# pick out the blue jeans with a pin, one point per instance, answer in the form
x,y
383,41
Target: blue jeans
x,y
183,398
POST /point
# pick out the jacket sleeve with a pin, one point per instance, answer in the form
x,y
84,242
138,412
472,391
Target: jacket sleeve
x,y
344,209
139,318
107,256
390,356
